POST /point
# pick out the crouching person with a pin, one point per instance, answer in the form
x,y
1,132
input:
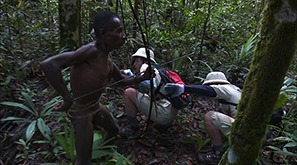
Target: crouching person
x,y
218,87
162,112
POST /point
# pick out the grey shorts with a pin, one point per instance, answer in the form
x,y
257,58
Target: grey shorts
x,y
222,122
165,112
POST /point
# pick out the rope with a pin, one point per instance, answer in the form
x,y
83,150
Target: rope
x,y
83,108
117,82
147,53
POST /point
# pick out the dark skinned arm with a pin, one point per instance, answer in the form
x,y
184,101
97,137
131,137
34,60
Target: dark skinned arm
x,y
52,67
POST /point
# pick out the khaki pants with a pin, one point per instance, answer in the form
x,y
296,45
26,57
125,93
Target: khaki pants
x,y
165,112
222,121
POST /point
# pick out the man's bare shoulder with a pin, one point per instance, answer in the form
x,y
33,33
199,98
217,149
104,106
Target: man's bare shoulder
x,y
90,46
89,50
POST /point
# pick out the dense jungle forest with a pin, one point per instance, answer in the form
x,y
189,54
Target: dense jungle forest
x,y
190,37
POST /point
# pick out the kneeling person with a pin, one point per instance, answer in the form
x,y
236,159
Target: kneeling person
x,y
162,111
218,87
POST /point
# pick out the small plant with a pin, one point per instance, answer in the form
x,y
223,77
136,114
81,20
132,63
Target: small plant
x,y
287,92
66,141
286,145
196,140
240,63
39,120
101,149
285,140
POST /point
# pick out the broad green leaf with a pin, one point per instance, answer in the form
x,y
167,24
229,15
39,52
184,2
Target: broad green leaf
x,y
22,142
17,119
62,141
287,153
282,139
288,81
30,102
97,135
7,80
280,102
13,104
43,128
291,135
291,144
30,130
100,153
120,115
42,142
273,147
49,105
120,161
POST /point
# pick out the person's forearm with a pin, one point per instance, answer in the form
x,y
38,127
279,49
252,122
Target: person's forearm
x,y
200,90
131,80
55,78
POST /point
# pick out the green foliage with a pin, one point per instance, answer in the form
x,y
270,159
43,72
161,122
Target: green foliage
x,y
286,144
214,31
287,92
66,141
102,153
39,120
239,63
196,140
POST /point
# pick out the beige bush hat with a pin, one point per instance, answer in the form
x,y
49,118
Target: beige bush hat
x,y
141,53
215,78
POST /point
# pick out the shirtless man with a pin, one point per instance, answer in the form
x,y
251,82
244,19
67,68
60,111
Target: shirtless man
x,y
91,68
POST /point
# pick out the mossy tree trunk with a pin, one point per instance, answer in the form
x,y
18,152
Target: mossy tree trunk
x,y
274,53
70,23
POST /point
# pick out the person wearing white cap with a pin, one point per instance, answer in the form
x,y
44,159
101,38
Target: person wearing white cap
x,y
217,86
162,113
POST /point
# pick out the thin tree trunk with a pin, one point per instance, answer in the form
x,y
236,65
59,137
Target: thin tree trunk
x,y
135,27
273,56
205,26
70,23
92,14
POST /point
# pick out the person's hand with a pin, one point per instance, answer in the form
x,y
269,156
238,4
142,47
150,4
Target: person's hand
x,y
127,72
174,89
147,75
64,107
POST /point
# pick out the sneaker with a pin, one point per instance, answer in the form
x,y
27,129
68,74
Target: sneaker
x,y
130,133
210,158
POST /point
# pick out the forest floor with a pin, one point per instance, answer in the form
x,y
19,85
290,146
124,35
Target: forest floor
x,y
178,145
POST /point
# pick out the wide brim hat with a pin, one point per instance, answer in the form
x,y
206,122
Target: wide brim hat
x,y
215,78
141,52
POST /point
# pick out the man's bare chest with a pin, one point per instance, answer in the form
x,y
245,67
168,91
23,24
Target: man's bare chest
x,y
100,70
96,72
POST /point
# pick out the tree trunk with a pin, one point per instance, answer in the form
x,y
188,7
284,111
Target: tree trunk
x,y
274,53
135,27
92,14
70,23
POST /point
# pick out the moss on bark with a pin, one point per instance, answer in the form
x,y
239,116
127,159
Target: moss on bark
x,y
274,53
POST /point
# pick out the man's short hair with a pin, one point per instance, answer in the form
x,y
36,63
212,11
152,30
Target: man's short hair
x,y
102,20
